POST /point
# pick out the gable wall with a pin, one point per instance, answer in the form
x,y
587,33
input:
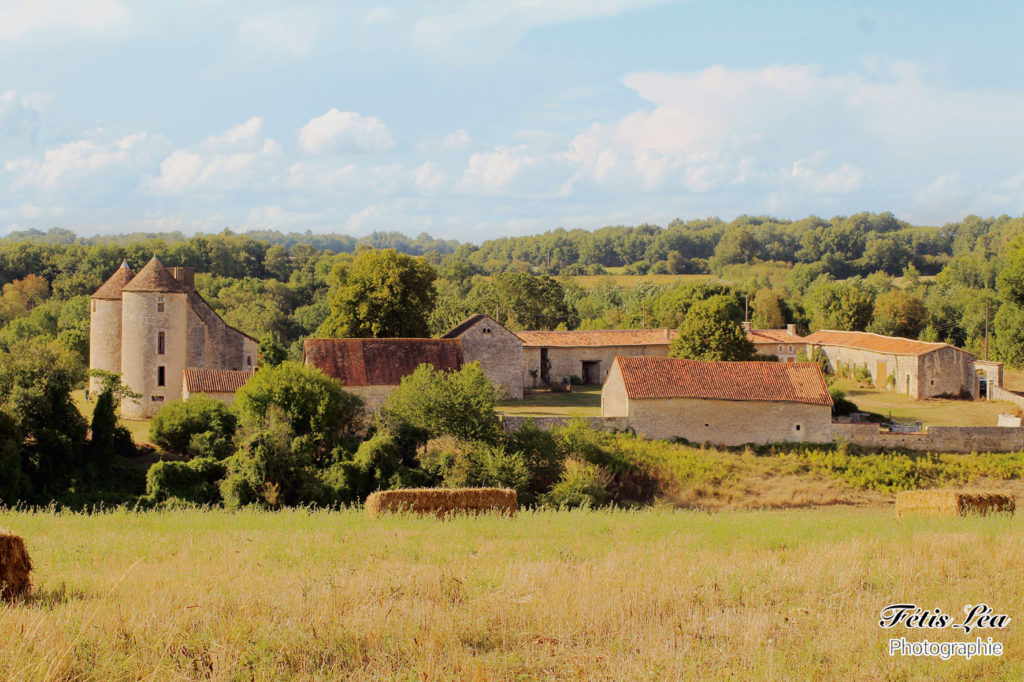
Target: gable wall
x,y
499,352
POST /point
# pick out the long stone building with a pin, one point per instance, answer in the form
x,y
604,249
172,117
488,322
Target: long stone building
x,y
153,326
553,357
784,344
499,352
723,403
919,369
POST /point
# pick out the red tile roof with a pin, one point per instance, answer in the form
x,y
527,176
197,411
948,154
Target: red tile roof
x,y
379,362
154,277
598,338
214,380
657,377
773,336
111,289
875,342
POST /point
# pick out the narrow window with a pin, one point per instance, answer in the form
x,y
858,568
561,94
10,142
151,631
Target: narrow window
x,y
159,304
797,427
248,361
161,376
161,348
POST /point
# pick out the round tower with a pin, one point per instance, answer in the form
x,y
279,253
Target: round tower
x,y
154,315
105,325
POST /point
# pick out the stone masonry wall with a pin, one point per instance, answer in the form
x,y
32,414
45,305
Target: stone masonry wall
x,y
959,439
499,352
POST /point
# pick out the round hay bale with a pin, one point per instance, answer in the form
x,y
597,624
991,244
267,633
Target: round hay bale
x,y
15,566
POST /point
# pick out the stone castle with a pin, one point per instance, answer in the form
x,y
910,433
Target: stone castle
x,y
152,327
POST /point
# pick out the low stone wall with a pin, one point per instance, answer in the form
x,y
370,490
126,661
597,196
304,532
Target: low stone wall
x,y
960,439
1000,393
515,422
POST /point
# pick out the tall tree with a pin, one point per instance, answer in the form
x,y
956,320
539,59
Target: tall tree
x,y
898,313
712,331
767,310
380,294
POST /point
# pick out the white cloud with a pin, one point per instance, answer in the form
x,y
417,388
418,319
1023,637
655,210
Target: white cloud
x,y
345,131
20,115
496,169
239,158
289,32
92,158
380,15
19,18
429,178
326,177
809,176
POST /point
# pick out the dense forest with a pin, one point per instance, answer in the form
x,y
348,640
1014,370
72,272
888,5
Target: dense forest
x,y
866,271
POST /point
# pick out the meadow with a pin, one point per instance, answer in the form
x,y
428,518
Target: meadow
x,y
653,594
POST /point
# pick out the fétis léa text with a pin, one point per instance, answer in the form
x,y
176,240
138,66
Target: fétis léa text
x,y
978,616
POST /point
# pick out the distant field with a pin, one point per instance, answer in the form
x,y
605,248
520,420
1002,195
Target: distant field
x,y
139,428
937,412
638,595
583,401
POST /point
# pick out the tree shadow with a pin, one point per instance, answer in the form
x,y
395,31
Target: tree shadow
x,y
49,598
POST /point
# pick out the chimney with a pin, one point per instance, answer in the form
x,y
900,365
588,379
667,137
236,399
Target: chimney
x,y
746,326
791,328
186,276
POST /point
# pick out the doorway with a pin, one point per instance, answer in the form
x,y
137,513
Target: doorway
x,y
591,372
545,367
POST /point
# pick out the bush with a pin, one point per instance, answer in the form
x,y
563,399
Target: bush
x,y
582,485
467,464
543,458
194,481
840,405
176,426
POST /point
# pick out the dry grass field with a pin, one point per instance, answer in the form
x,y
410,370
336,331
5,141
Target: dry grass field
x,y
645,595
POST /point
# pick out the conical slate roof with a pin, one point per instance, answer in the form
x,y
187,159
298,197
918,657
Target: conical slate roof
x,y
111,289
154,277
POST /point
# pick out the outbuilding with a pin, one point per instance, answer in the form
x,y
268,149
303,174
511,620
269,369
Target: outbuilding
x,y
499,352
722,403
558,356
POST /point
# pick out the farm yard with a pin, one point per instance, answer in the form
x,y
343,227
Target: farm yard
x,y
653,594
931,411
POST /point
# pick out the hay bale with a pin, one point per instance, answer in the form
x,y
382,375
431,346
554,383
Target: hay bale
x,y
15,566
953,503
443,501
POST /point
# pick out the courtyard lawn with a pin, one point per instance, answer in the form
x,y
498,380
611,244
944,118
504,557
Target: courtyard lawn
x,y
934,411
583,401
139,428
639,595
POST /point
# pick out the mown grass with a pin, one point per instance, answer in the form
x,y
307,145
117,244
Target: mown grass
x,y
657,594
582,401
933,411
139,428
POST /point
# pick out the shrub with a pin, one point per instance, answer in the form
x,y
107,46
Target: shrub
x,y
176,425
840,405
543,458
194,481
582,485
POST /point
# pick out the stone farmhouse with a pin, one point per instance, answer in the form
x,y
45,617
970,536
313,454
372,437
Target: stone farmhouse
x,y
499,352
552,357
373,368
784,344
723,403
919,369
153,327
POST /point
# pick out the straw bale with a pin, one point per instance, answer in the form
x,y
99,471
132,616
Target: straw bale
x,y
15,566
953,502
443,501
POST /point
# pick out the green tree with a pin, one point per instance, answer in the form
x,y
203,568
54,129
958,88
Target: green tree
x,y
898,313
712,331
767,310
839,305
382,293
520,300
198,427
432,403
320,414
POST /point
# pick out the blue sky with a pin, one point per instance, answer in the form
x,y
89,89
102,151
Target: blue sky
x,y
471,120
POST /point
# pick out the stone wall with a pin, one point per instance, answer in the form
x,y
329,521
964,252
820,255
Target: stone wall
x,y
516,422
1000,393
373,396
142,321
104,338
499,352
947,371
959,439
568,361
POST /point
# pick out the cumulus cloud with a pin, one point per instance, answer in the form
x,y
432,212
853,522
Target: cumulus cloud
x,y
240,157
20,18
345,131
288,32
96,157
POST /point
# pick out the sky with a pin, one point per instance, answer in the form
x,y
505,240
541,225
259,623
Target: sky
x,y
473,119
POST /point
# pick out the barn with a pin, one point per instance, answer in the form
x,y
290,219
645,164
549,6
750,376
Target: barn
x,y
373,368
722,403
499,352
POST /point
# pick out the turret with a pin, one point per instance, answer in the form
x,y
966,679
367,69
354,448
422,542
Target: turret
x,y
105,325
154,319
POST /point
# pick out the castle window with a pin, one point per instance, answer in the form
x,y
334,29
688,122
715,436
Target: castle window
x,y
248,361
159,304
161,346
161,376
156,398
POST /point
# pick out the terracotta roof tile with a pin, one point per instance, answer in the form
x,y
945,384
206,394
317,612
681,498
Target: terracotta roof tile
x,y
379,362
111,289
154,277
773,336
214,380
657,377
875,342
598,338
